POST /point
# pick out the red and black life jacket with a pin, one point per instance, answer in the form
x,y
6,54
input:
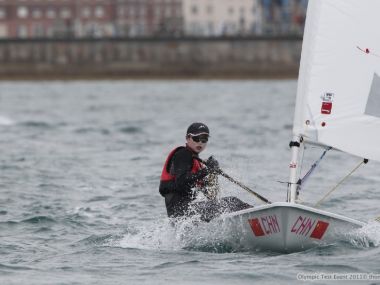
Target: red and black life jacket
x,y
167,181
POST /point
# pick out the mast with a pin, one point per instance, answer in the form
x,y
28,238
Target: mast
x,y
294,168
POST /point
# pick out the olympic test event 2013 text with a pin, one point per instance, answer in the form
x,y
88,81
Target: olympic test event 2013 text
x,y
337,276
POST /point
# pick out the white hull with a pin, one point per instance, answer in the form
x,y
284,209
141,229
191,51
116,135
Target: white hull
x,y
286,227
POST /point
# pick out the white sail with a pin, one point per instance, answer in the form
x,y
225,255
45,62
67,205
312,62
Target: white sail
x,y
338,96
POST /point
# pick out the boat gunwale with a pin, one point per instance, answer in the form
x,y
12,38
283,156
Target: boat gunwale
x,y
294,206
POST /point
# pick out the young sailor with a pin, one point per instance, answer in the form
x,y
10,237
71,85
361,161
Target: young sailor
x,y
184,176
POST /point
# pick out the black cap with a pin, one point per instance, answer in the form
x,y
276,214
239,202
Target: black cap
x,y
197,129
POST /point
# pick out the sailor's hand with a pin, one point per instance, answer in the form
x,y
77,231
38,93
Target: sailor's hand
x,y
213,165
211,189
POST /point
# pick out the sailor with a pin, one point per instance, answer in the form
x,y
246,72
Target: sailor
x,y
185,176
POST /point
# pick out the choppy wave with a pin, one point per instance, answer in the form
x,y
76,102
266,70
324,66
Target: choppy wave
x,y
14,267
39,219
96,239
130,129
37,124
89,130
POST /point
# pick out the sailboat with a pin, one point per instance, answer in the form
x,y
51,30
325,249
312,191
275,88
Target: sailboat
x,y
337,107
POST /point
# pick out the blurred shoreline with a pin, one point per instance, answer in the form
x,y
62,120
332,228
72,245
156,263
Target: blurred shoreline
x,y
86,77
264,57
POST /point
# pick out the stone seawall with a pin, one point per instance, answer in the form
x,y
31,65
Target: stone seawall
x,y
259,57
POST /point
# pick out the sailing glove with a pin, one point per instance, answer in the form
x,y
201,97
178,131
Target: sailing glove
x,y
213,165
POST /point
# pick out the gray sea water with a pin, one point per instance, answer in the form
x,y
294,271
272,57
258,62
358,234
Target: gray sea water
x,y
79,173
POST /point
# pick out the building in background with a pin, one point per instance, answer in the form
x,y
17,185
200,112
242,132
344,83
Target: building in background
x,y
141,18
56,18
283,16
4,15
93,18
167,17
222,17
148,17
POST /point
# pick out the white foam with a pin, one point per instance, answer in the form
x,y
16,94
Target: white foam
x,y
366,236
157,235
4,121
165,235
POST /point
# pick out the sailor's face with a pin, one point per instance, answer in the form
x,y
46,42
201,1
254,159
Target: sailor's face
x,y
197,143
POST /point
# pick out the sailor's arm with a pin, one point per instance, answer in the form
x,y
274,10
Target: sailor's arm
x,y
182,165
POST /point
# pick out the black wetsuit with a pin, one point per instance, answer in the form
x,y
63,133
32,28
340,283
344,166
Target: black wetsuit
x,y
179,195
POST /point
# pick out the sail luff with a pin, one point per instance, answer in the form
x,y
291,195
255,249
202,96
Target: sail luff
x,y
311,27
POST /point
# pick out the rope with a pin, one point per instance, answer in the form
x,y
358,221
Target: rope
x,y
315,164
221,172
340,182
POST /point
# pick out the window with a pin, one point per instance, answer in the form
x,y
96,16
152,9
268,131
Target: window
x,y
22,12
38,30
37,14
121,11
210,27
132,11
51,14
99,12
22,31
65,13
86,12
178,12
168,12
2,13
157,11
194,10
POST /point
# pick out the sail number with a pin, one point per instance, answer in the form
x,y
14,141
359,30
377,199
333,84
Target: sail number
x,y
304,225
265,225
